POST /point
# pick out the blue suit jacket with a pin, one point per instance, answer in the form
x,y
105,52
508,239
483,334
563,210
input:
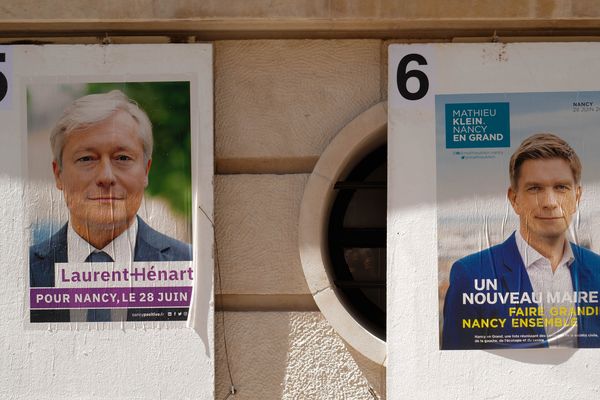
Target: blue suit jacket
x,y
150,246
504,264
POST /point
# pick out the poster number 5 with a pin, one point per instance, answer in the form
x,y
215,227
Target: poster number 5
x,y
407,72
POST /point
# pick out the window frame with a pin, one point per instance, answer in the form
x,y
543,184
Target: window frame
x,y
360,137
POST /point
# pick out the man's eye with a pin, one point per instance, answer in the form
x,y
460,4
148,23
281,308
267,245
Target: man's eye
x,y
533,189
562,188
85,159
123,157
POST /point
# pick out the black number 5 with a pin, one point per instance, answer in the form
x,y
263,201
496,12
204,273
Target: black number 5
x,y
3,81
403,75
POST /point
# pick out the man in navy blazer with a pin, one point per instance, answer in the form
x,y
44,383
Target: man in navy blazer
x,y
102,148
536,289
151,245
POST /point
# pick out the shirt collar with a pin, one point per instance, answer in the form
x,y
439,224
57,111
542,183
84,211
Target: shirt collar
x,y
121,248
530,256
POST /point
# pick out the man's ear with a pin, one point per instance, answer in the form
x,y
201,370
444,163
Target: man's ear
x,y
512,197
578,192
57,178
148,164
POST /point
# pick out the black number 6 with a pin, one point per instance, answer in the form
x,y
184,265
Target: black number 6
x,y
403,75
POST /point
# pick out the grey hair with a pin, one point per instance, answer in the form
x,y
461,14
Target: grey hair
x,y
93,108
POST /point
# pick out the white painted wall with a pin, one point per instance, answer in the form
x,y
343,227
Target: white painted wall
x,y
416,366
143,361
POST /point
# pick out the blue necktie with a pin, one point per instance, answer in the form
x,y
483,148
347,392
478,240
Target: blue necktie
x,y
99,315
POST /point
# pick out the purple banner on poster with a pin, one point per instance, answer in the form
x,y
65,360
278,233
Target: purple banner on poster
x,y
110,297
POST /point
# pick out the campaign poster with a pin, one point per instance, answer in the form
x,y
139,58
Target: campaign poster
x,y
117,174
517,186
493,239
492,236
109,167
106,170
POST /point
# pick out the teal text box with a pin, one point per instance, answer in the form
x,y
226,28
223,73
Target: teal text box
x,y
477,125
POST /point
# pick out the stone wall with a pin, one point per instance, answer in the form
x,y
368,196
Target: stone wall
x,y
280,98
278,103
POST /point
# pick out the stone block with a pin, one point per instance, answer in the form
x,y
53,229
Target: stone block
x,y
288,98
256,220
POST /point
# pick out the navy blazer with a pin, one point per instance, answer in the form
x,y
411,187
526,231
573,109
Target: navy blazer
x,y
150,245
504,264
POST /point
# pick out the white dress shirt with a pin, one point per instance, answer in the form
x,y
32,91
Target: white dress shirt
x,y
544,281
121,250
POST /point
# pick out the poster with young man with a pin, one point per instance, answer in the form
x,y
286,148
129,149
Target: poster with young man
x,y
496,219
516,244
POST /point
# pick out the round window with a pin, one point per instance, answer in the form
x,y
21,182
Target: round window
x,y
342,232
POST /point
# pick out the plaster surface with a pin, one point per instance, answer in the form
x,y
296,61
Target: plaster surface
x,y
293,356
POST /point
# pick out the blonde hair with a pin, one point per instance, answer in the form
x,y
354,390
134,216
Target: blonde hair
x,y
91,109
543,146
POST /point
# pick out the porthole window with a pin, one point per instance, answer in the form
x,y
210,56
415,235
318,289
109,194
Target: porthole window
x,y
342,232
357,240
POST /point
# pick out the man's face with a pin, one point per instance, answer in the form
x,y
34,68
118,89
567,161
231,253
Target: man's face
x,y
103,174
545,199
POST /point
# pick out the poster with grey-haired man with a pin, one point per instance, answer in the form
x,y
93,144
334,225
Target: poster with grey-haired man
x,y
99,251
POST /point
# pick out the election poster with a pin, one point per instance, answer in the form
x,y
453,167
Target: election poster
x,y
117,234
114,159
493,240
106,169
517,244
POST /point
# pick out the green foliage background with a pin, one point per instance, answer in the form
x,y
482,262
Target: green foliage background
x,y
168,107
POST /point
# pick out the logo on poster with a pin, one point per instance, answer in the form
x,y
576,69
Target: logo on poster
x,y
477,125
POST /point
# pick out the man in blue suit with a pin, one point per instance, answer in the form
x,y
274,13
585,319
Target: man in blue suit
x,y
102,147
536,289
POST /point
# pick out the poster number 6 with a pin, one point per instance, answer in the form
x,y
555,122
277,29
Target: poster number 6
x,y
404,74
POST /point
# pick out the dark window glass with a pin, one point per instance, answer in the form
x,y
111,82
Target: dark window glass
x,y
357,240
